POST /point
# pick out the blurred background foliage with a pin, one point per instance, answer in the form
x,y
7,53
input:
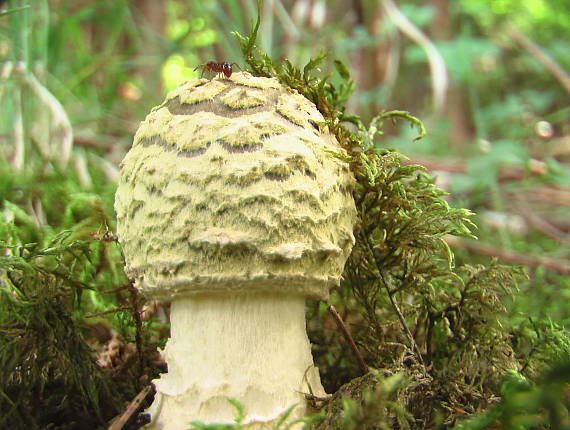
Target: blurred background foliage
x,y
488,77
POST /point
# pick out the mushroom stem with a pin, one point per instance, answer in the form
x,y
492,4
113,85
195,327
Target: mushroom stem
x,y
250,347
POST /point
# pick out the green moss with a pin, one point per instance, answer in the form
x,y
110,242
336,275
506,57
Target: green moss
x,y
421,317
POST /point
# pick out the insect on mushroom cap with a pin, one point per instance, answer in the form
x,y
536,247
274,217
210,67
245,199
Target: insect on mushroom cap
x,y
233,185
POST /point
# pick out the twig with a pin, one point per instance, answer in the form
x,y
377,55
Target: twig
x,y
542,57
554,195
505,173
119,422
342,327
111,311
116,290
557,265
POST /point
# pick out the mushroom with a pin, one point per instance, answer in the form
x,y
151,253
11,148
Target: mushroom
x,y
233,205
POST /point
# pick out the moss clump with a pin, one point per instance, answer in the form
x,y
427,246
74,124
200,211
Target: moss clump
x,y
48,375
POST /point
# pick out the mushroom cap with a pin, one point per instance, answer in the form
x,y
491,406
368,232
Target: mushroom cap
x,y
233,184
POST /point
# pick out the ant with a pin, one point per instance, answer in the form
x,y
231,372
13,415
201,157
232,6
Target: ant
x,y
218,68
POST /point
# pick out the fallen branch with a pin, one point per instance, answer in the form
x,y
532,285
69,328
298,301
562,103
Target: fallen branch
x,y
554,264
111,311
553,195
505,174
550,195
119,422
116,290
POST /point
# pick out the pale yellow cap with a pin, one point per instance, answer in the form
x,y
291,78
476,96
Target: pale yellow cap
x,y
231,185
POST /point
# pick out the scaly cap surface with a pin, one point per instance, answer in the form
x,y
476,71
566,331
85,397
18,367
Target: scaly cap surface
x,y
230,185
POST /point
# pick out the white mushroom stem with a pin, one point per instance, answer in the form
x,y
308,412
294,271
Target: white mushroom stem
x,y
251,347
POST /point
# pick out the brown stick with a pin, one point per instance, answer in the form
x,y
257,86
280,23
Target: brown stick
x,y
505,173
557,265
554,195
116,290
119,422
111,311
344,330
